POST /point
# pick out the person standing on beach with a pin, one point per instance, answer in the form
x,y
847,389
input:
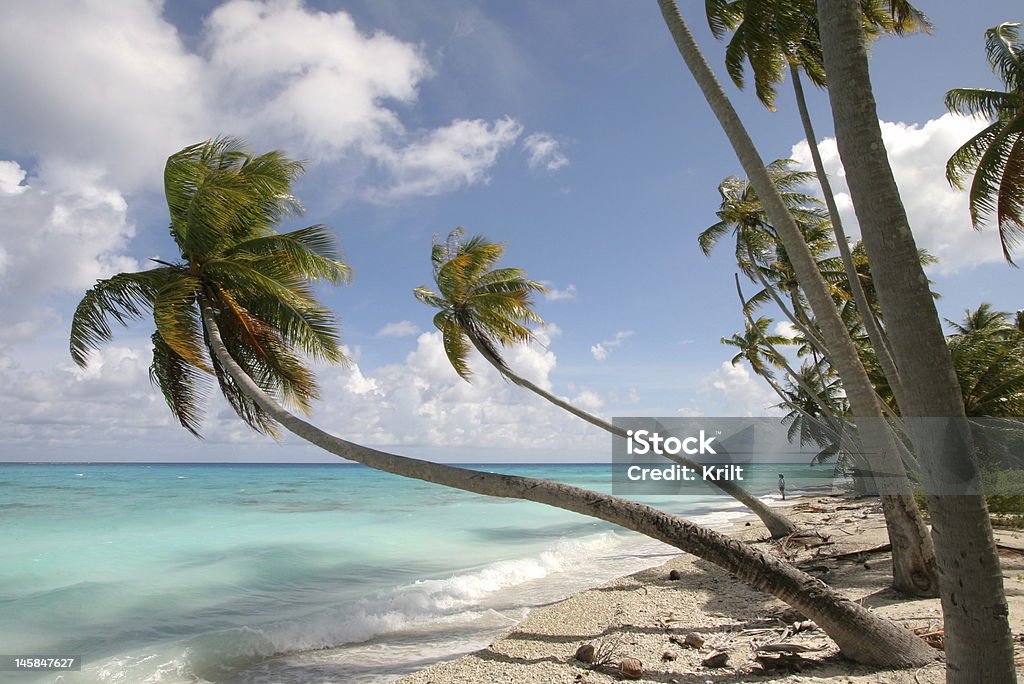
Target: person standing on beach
x,y
782,486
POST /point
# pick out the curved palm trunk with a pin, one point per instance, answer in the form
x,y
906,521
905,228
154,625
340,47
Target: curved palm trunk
x,y
914,570
979,645
875,334
777,523
861,635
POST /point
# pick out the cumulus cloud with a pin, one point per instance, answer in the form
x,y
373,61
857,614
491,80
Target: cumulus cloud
x,y
447,158
601,350
739,392
399,329
544,152
318,77
11,177
120,92
55,240
420,402
938,213
556,295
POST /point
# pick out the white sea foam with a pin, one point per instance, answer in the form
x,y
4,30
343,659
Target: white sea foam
x,y
467,608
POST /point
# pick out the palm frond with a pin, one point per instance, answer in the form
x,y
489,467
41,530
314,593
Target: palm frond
x,y
311,252
981,102
1006,54
177,320
123,298
184,387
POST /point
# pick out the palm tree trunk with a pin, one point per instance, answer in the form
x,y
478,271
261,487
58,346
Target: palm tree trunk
x,y
861,635
875,333
778,524
914,570
979,646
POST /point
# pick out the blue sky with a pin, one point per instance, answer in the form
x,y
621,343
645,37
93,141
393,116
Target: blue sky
x,y
571,131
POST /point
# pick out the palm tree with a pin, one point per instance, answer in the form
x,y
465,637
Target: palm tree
x,y
487,308
979,644
913,563
753,345
984,319
772,35
222,199
256,282
995,155
759,251
988,354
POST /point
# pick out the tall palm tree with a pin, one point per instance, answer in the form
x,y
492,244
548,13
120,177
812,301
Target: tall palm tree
x,y
488,308
913,563
221,199
772,35
995,155
979,644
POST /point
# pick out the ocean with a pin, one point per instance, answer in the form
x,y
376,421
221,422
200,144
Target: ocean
x,y
245,574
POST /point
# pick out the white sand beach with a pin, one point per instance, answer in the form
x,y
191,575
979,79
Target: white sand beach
x,y
648,616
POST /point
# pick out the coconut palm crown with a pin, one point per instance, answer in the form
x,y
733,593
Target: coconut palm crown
x,y
479,305
995,155
772,34
225,205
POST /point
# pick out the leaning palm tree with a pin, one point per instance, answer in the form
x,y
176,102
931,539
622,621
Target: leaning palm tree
x,y
229,299
914,569
487,308
995,155
256,284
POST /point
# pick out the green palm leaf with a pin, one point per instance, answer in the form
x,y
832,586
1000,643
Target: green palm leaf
x,y
124,297
480,306
184,387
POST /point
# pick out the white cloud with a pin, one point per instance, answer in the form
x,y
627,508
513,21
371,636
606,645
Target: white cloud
x,y
543,151
555,295
399,329
786,329
119,92
938,214
447,158
739,392
315,76
55,240
11,177
601,350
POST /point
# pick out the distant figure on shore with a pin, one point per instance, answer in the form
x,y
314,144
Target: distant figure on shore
x,y
782,486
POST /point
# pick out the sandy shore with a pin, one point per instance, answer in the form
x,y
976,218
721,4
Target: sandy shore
x,y
647,616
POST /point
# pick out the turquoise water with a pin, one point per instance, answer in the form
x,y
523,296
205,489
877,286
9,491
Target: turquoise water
x,y
288,573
